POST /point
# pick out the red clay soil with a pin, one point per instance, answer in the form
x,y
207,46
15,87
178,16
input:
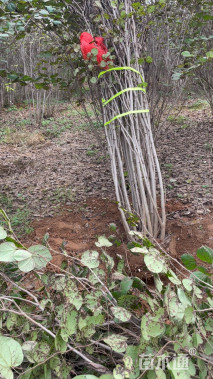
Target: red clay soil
x,y
78,227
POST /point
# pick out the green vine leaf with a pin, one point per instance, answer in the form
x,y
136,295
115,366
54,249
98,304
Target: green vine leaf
x,y
60,344
176,372
187,283
160,374
153,326
183,298
41,256
39,353
90,259
121,314
188,261
7,250
189,316
205,254
11,355
103,242
154,263
21,254
3,233
116,342
26,265
158,283
69,325
173,277
196,339
72,295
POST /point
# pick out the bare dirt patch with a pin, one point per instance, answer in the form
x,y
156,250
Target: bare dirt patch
x,y
63,182
79,226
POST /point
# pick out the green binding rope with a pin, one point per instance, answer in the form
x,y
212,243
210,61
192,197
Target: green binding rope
x,y
105,102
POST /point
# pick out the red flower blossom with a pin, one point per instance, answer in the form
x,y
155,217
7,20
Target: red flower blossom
x,y
87,43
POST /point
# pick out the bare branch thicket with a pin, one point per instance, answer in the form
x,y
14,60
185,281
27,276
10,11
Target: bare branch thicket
x,y
25,56
164,45
134,163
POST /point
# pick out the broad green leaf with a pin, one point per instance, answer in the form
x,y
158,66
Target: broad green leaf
x,y
112,226
173,277
160,374
138,283
186,54
196,339
118,372
117,275
93,80
209,54
192,369
6,372
200,276
158,283
148,59
141,250
210,301
177,370
108,260
189,315
155,329
154,263
151,374
183,298
3,233
29,345
126,284
60,283
60,344
106,376
94,51
39,353
208,348
44,12
116,342
198,292
7,250
188,261
187,283
26,265
204,255
95,274
175,309
103,242
153,326
176,76
90,259
203,374
69,325
72,294
41,256
203,270
128,363
11,355
92,301
121,314
21,254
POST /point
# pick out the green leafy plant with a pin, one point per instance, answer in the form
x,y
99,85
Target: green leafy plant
x,y
91,320
205,255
